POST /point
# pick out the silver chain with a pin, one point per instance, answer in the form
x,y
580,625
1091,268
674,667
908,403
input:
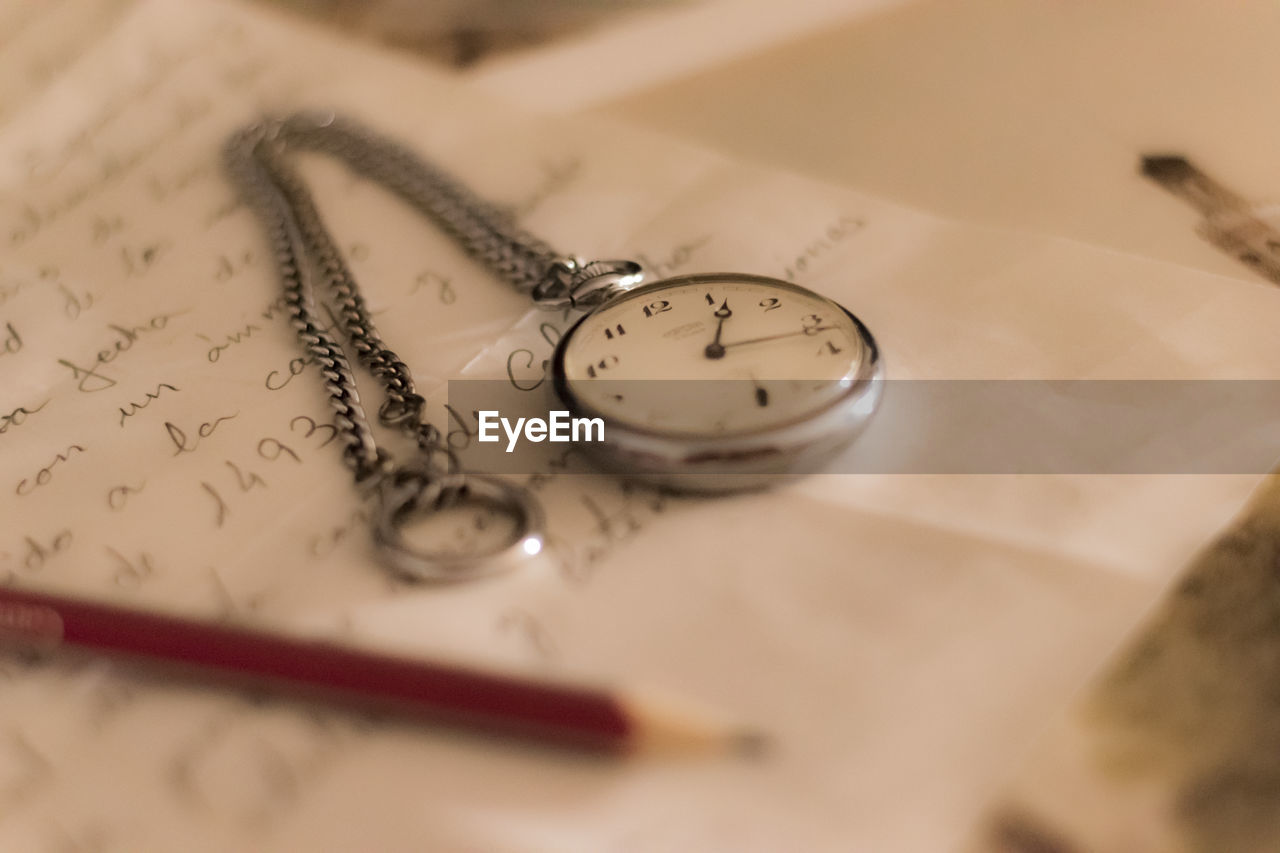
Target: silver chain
x,y
306,256
304,251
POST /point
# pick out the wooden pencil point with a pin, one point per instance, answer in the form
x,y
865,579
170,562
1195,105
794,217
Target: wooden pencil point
x,y
752,744
670,726
1165,167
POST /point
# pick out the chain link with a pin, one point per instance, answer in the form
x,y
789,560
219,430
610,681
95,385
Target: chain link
x,y
306,257
308,262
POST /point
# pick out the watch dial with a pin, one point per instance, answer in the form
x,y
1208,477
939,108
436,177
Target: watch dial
x,y
714,355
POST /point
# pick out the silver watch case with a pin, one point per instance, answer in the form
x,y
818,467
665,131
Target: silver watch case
x,y
740,462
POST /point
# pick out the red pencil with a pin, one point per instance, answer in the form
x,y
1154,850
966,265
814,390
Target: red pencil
x,y
553,713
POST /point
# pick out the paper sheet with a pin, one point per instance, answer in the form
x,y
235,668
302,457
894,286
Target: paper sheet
x,y
903,638
1026,115
40,40
658,47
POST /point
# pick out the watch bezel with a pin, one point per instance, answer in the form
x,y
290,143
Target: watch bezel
x,y
685,461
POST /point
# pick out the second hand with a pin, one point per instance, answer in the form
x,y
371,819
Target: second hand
x,y
809,331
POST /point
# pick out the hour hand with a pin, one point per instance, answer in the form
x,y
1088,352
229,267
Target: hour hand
x,y
715,349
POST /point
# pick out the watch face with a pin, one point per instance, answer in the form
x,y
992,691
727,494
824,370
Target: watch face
x,y
714,355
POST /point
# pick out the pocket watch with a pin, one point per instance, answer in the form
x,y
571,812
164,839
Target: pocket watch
x,y
711,382
718,381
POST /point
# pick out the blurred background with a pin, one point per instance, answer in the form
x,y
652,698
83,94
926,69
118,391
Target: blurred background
x,y
462,32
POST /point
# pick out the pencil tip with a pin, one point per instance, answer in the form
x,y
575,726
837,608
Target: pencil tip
x,y
1165,166
666,726
751,744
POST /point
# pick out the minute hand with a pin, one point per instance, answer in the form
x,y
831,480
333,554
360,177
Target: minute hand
x,y
812,331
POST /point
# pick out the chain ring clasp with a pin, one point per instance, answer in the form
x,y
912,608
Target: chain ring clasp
x,y
411,493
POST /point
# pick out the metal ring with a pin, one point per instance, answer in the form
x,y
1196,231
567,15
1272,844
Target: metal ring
x,y
407,497
573,283
600,281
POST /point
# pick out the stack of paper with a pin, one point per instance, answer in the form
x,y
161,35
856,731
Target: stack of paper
x,y
903,638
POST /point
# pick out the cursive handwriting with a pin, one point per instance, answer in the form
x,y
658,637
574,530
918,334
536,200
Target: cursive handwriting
x,y
245,481
74,304
134,408
111,168
278,306
521,361
228,266
92,378
18,417
105,227
161,66
673,261
531,631
312,428
138,260
45,475
274,382
10,340
9,289
36,553
321,545
442,284
118,496
837,232
614,521
273,776
131,573
270,449
182,444
230,339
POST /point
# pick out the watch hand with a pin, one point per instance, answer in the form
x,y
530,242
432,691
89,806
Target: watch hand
x,y
809,331
762,396
714,349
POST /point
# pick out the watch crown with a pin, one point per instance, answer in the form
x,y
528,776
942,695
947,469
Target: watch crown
x,y
570,283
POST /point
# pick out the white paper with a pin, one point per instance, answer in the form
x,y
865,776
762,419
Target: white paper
x,y
40,40
1032,116
658,47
